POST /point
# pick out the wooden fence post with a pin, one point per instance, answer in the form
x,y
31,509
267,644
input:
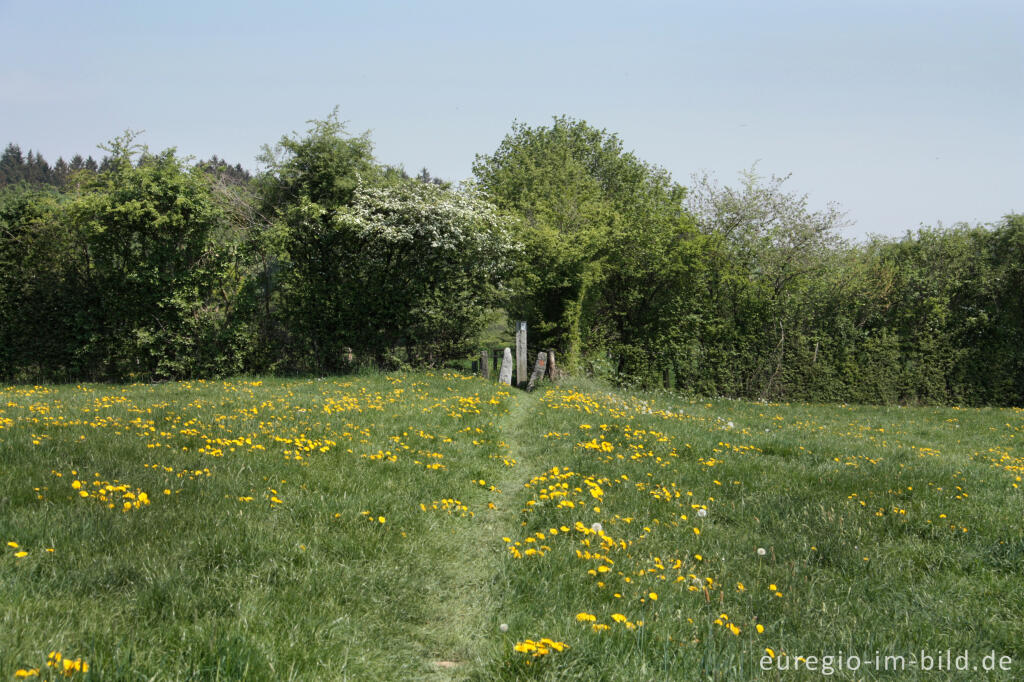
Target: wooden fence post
x,y
485,364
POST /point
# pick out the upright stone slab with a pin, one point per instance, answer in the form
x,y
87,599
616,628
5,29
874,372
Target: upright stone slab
x,y
485,364
538,371
505,375
521,369
552,368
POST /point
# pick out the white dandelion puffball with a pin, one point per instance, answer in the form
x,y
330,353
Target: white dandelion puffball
x,y
702,513
760,551
597,527
729,425
503,627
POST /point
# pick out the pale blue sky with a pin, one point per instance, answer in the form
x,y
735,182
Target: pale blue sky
x,y
902,112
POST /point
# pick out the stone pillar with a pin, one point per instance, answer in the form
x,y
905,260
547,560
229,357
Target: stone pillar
x,y
538,371
505,375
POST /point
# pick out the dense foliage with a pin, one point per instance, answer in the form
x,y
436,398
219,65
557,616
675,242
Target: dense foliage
x,y
147,265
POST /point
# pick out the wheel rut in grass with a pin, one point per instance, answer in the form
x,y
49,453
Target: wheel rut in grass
x,y
463,632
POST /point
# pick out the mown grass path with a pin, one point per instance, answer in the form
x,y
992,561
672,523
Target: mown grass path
x,y
462,635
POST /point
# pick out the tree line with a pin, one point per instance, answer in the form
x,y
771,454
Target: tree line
x,y
148,266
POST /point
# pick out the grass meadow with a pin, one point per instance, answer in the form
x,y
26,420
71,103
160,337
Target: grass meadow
x,y
439,526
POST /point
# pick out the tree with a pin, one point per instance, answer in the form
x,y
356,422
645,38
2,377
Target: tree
x,y
146,225
12,165
362,256
608,245
762,307
38,288
416,266
307,180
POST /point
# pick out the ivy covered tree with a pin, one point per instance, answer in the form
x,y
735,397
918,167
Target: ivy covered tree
x,y
609,248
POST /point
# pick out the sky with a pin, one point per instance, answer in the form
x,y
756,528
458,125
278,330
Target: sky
x,y
903,113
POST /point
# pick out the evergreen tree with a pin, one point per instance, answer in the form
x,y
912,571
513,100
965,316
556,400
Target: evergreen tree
x,y
11,165
61,172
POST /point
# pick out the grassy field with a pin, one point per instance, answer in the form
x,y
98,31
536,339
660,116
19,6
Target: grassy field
x,y
435,526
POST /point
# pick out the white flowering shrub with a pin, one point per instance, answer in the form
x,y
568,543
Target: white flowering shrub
x,y
409,266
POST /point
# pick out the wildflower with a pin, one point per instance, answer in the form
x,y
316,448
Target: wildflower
x,y
584,617
653,596
702,513
761,551
503,627
596,527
